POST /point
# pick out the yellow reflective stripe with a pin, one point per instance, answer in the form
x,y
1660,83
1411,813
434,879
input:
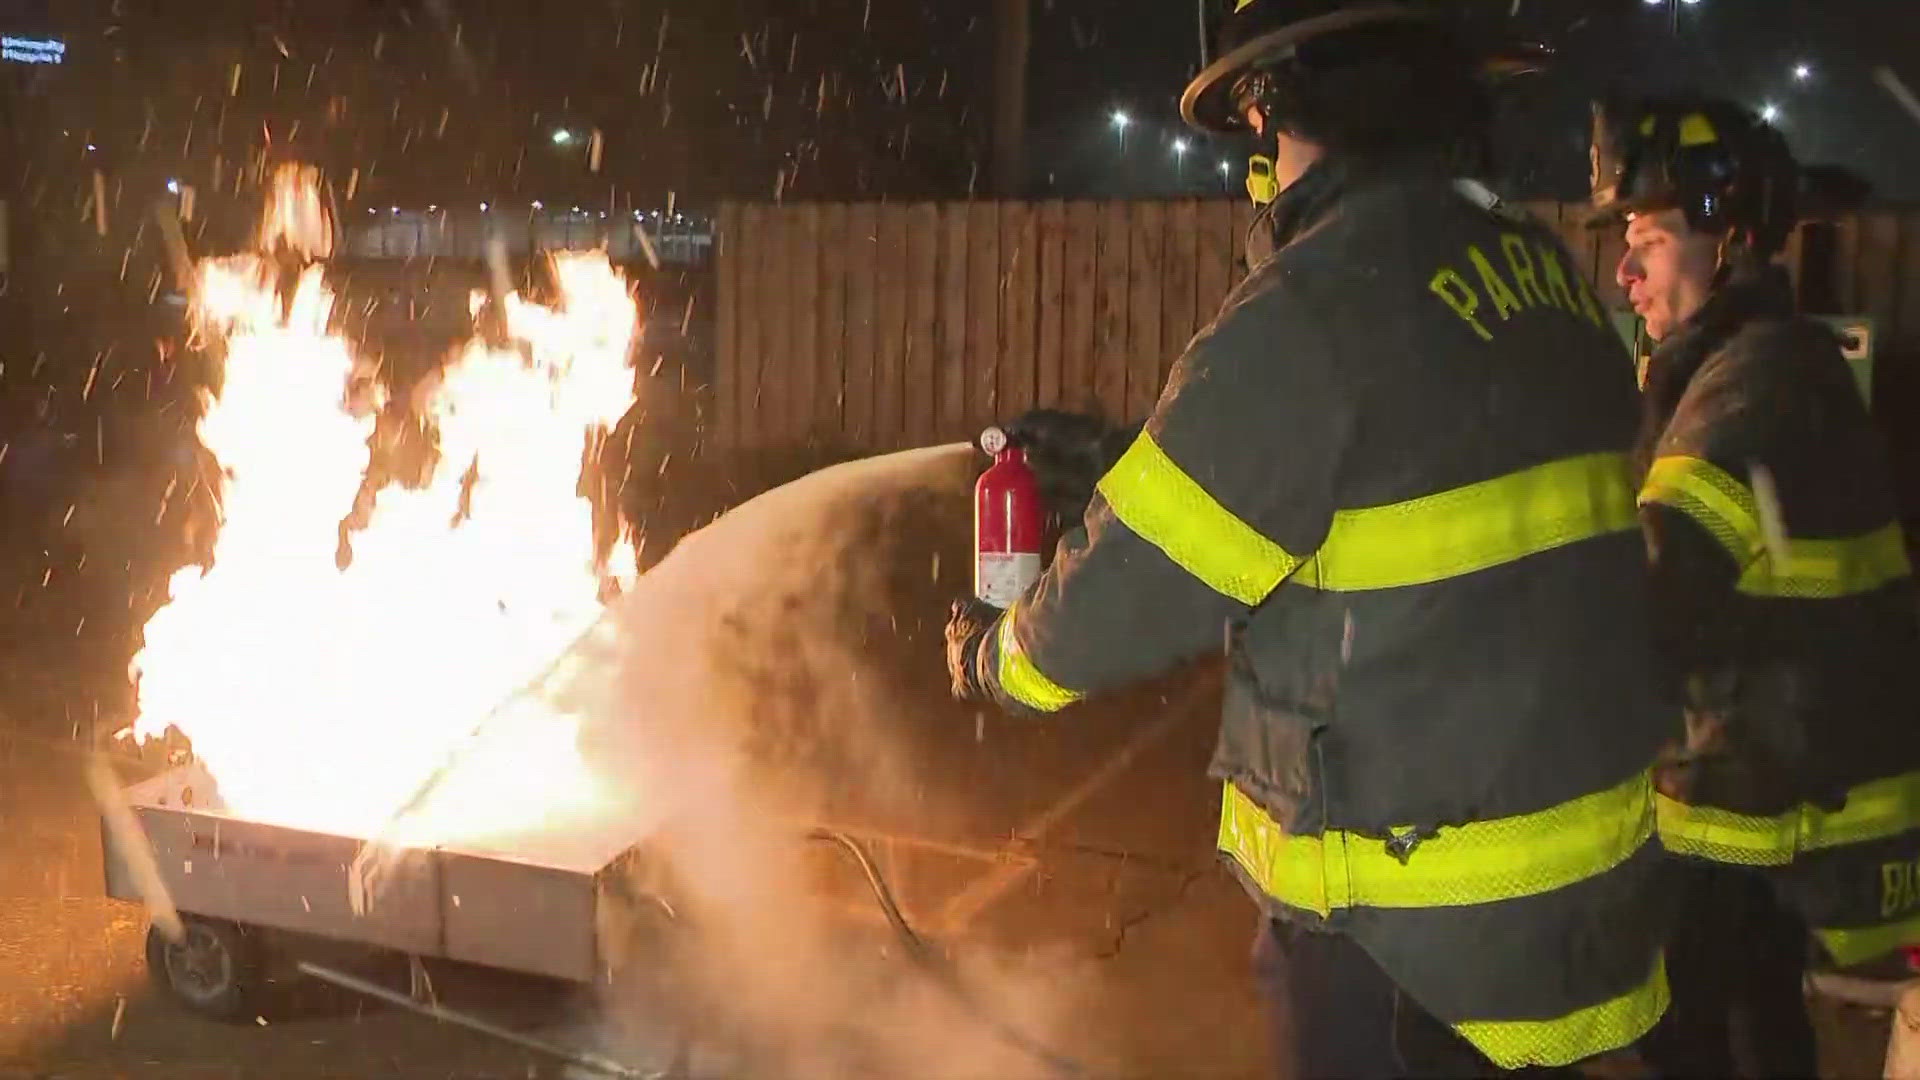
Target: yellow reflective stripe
x,y
1793,568
1168,509
1827,569
1697,130
1477,863
1874,810
1860,944
1019,678
1596,1029
1705,492
1474,527
1706,832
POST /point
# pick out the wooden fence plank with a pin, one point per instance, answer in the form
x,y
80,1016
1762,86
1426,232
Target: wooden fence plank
x,y
890,340
983,312
950,373
1178,316
752,423
1019,283
1907,311
863,225
1146,265
1876,265
1051,300
726,374
776,328
1077,329
1213,271
1110,312
830,385
918,427
803,259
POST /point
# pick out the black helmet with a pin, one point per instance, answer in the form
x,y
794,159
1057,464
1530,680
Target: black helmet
x,y
1240,37
1719,164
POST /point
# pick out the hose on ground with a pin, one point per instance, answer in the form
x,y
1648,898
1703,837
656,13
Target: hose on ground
x,y
936,967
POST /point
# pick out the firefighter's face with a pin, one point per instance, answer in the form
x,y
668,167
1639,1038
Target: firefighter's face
x,y
1667,269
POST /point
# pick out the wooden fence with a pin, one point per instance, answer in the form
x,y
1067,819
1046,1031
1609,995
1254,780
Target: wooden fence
x,y
876,327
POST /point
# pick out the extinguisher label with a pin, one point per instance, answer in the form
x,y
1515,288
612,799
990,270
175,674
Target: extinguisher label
x,y
1000,578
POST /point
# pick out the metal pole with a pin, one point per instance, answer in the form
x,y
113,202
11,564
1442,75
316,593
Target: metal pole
x,y
582,1058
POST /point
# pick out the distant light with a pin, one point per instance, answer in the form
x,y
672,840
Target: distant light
x,y
1180,146
538,205
483,208
371,210
1803,72
91,148
1655,3
576,209
1770,112
1226,167
1120,120
1689,3
432,207
173,186
603,213
393,209
562,137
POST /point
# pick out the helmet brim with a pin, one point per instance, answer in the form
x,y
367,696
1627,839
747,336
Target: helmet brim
x,y
1207,103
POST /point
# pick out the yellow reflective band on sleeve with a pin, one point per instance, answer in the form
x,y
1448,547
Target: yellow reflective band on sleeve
x,y
1706,493
1874,810
1596,1029
1828,569
1170,510
1019,678
1803,569
1474,527
1860,944
1477,863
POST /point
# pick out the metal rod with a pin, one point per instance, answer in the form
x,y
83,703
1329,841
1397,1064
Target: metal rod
x,y
584,1059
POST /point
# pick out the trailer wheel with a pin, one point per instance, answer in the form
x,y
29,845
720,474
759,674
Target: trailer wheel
x,y
216,970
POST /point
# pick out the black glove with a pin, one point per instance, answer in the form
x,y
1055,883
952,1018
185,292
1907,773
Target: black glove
x,y
1068,453
968,624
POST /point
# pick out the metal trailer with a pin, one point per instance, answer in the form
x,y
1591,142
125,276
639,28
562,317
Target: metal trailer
x,y
554,904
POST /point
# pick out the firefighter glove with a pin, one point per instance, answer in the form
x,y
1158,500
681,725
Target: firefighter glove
x,y
1068,453
968,624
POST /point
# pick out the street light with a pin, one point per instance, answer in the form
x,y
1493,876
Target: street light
x,y
1226,173
1770,112
173,187
561,137
1802,72
1120,121
1180,160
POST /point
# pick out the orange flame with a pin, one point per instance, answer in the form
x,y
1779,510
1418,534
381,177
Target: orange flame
x,y
324,698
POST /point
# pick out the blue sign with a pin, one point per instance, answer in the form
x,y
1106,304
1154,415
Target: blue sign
x,y
23,50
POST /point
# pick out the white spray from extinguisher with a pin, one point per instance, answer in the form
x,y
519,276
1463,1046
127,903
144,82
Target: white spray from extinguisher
x,y
1009,522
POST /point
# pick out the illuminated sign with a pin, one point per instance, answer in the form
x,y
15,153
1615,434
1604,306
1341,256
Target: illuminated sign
x,y
22,50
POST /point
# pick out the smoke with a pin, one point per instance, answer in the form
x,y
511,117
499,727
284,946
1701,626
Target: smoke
x,y
782,668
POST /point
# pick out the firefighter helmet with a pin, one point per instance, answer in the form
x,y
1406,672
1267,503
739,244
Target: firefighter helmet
x,y
1240,37
1717,163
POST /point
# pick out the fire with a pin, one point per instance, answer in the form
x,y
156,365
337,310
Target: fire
x,y
324,697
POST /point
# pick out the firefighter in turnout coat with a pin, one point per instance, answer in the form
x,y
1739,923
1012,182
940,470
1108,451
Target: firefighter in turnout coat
x,y
1395,471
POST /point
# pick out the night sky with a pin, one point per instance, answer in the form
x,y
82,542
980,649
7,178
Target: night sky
x,y
438,101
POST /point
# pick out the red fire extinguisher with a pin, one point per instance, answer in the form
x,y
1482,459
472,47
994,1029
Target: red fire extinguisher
x,y
1008,523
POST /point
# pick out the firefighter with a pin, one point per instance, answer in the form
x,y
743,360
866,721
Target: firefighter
x,y
1395,471
1784,600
